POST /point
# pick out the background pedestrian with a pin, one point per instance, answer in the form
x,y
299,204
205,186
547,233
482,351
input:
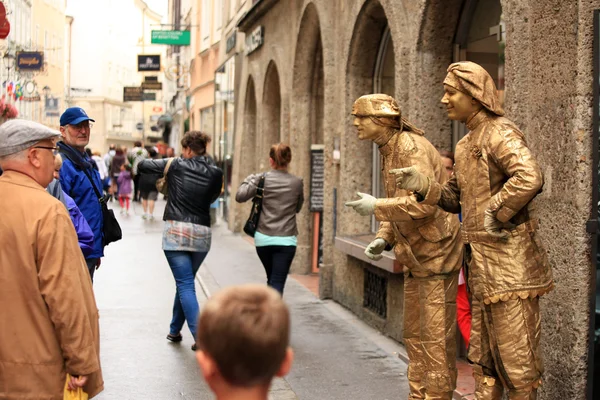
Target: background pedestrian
x,y
276,235
193,183
124,180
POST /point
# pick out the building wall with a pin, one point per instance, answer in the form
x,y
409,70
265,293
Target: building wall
x,y
548,75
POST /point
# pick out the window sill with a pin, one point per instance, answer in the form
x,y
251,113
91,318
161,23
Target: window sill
x,y
355,246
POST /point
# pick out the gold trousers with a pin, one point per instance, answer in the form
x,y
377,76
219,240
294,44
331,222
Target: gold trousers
x,y
505,349
430,336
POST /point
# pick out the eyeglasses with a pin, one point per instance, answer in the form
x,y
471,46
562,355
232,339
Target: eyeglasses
x,y
82,125
54,149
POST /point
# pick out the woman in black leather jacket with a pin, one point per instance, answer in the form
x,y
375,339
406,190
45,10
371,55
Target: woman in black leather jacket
x,y
194,182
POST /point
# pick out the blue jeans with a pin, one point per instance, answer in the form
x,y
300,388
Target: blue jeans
x,y
184,265
277,261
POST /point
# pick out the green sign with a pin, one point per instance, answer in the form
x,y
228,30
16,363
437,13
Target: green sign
x,y
175,38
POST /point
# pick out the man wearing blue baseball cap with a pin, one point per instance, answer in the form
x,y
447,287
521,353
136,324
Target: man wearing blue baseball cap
x,y
77,175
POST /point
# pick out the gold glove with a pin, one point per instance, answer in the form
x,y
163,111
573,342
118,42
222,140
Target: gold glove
x,y
494,227
411,179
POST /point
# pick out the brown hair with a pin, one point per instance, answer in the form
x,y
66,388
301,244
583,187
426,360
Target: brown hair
x,y
447,154
246,331
196,141
281,154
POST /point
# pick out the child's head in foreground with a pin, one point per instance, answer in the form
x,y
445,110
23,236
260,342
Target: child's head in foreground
x,y
243,338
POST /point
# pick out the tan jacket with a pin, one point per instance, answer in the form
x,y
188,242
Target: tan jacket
x,y
494,160
424,238
283,197
49,318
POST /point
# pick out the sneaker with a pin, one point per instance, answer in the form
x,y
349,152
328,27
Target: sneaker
x,y
152,218
145,216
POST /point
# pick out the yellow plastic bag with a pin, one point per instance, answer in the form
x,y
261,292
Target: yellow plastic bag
x,y
78,394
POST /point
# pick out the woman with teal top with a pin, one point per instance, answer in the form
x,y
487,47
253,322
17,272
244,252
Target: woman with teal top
x,y
276,234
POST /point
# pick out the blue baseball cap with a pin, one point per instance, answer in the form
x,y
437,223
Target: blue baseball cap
x,y
74,116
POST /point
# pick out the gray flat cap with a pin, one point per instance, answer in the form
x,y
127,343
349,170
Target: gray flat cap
x,y
20,134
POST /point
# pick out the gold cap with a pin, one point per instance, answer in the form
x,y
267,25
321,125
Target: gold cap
x,y
376,105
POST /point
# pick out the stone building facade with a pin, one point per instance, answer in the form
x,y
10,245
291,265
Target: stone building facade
x,y
308,62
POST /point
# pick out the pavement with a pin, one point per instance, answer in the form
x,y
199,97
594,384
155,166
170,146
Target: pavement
x,y
337,356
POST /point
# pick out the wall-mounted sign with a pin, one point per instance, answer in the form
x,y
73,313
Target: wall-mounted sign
x,y
174,38
230,45
148,62
317,178
30,60
149,85
255,39
132,93
151,78
148,96
31,98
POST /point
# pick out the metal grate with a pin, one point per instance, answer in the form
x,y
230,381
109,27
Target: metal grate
x,y
375,293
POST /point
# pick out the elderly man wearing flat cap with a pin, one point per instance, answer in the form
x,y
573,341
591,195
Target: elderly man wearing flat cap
x,y
425,241
495,179
78,174
49,319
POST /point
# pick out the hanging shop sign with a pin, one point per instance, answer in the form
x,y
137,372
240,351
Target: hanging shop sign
x,y
30,60
148,62
149,85
174,38
132,93
151,78
255,39
31,98
231,40
148,96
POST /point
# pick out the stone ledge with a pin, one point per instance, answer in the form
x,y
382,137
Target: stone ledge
x,y
355,247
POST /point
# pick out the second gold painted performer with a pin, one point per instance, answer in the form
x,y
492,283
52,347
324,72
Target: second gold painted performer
x,y
495,178
424,240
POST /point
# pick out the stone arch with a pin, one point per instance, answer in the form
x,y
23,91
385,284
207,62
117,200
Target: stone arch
x,y
433,55
357,156
271,120
308,117
250,144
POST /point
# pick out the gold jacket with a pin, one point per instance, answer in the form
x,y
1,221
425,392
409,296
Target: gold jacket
x,y
425,239
495,168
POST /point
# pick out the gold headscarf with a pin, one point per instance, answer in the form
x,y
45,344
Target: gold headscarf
x,y
474,80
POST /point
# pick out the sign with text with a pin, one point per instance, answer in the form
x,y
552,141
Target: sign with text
x,y
133,93
30,60
148,62
149,85
174,38
317,177
255,39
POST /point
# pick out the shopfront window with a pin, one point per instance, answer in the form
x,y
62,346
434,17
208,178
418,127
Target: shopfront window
x,y
383,82
480,38
224,126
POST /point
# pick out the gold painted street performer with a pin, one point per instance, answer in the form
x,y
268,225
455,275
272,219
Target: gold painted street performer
x,y
495,179
425,241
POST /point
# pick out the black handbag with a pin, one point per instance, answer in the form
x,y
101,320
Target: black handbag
x,y
252,223
111,230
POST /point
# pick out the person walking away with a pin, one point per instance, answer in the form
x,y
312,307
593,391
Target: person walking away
x,y
148,191
244,342
495,179
276,235
102,169
124,180
49,320
115,169
79,177
193,184
85,236
137,154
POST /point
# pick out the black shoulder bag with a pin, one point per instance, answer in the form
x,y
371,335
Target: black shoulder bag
x,y
252,223
111,229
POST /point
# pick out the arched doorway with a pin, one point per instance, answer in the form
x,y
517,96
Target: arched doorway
x,y
271,122
248,156
308,137
480,37
370,69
